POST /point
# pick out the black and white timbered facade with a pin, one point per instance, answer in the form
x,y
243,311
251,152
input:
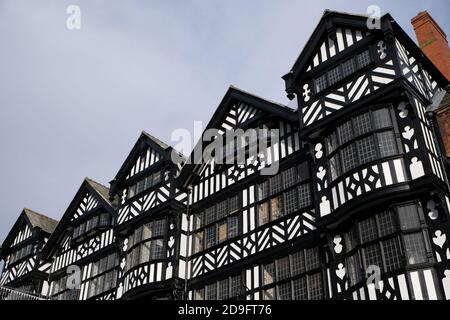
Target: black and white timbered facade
x,y
23,269
355,206
82,250
381,189
148,222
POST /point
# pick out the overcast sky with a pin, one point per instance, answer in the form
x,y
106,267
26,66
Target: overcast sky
x,y
73,103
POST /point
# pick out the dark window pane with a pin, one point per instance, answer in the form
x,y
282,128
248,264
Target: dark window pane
x,y
334,75
368,230
345,132
392,254
156,178
157,249
92,287
351,239
131,191
277,208
210,215
223,290
348,67
233,227
221,209
382,118
94,269
331,142
321,83
135,261
275,184
263,213
94,222
268,273
409,217
82,228
210,236
263,190
289,177
233,204
145,252
298,263
223,232
348,158
290,200
312,259
198,242
415,248
283,269
269,294
284,291
366,150
372,256
108,281
147,231
138,235
140,186
334,167
303,172
299,289
362,124
387,143
315,287
199,294
111,261
235,285
354,269
211,292
363,59
304,196
386,223
100,283
105,220
149,182
103,264
159,228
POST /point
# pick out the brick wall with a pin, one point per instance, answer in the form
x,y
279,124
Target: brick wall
x,y
433,41
443,118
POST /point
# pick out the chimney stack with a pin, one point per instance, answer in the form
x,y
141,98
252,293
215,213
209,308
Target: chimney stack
x,y
433,41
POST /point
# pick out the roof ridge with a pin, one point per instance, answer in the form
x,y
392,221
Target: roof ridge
x,y
157,140
27,210
96,185
259,97
40,220
96,182
162,143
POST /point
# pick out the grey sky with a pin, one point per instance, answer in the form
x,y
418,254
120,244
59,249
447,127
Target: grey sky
x,y
72,103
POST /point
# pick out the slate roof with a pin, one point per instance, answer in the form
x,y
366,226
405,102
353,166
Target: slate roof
x,y
41,221
156,140
101,189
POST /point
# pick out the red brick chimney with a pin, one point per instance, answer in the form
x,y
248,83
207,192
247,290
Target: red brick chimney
x,y
433,41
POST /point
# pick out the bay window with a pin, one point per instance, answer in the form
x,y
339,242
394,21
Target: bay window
x,y
360,140
391,239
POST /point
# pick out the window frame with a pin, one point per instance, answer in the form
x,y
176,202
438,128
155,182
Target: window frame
x,y
335,154
339,66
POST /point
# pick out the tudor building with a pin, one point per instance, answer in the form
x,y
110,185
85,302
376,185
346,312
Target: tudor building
x,y
148,222
84,239
239,220
24,269
360,190
380,184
